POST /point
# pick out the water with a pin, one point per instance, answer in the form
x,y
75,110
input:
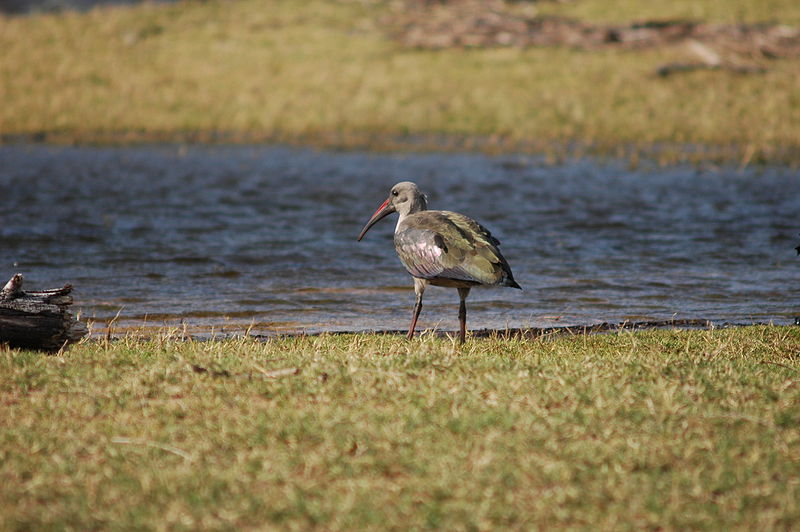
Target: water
x,y
226,238
17,7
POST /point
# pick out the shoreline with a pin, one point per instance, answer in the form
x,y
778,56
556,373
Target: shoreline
x,y
512,333
554,151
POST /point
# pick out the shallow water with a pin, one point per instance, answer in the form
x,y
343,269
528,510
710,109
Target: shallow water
x,y
16,7
233,237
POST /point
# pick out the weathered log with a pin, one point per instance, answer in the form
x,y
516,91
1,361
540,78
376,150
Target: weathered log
x,y
37,320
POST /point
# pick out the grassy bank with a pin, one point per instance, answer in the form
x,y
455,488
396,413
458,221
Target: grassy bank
x,y
325,72
660,429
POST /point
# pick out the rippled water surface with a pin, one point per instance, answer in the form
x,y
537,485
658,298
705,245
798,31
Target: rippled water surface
x,y
231,237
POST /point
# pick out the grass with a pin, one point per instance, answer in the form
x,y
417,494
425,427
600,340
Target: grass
x,y
718,11
324,72
658,429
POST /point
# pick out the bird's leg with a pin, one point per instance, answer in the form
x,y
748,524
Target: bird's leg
x,y
417,309
462,313
419,289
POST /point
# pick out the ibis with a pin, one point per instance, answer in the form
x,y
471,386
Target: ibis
x,y
442,248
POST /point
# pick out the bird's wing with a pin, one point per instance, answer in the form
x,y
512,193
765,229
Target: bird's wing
x,y
450,245
469,228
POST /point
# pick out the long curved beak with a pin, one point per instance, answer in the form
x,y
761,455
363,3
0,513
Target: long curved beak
x,y
383,211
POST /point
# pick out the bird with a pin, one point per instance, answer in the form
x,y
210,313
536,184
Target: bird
x,y
441,248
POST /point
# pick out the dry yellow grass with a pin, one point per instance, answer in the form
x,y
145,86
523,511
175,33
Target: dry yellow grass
x,y
325,72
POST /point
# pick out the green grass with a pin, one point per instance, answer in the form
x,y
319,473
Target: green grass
x,y
659,429
324,72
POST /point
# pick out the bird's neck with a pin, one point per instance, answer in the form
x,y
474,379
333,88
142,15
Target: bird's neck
x,y
415,207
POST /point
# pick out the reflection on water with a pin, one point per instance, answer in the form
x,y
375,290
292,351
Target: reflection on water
x,y
232,237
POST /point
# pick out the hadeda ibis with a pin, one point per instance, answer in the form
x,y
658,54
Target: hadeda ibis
x,y
442,248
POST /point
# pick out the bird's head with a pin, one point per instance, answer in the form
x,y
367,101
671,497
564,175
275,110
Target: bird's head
x,y
404,198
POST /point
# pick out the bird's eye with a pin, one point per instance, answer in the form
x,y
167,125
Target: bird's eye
x,y
394,193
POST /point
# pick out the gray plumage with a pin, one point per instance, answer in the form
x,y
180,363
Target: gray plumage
x,y
442,248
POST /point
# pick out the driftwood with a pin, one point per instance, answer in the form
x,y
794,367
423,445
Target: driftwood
x,y
37,320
